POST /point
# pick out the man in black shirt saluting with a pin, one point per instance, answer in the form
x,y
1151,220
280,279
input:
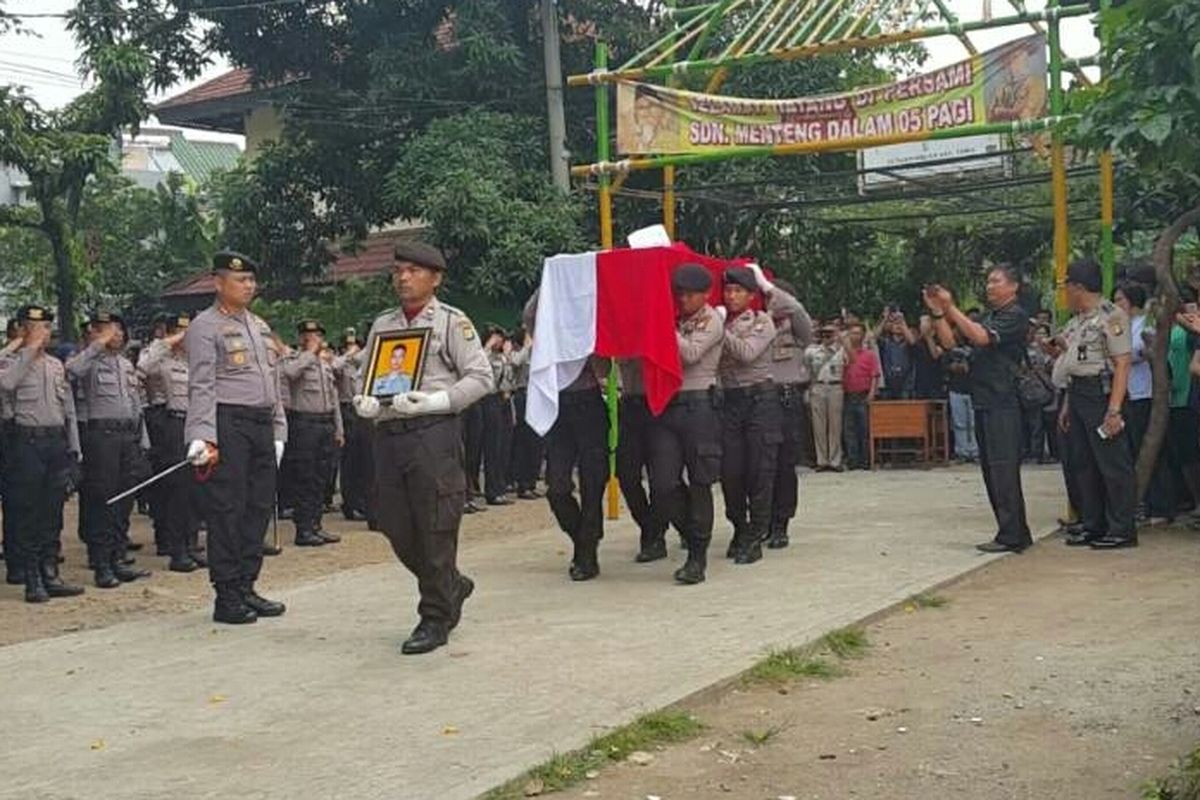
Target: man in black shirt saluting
x,y
997,344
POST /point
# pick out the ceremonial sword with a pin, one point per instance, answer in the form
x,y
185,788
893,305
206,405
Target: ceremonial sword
x,y
151,480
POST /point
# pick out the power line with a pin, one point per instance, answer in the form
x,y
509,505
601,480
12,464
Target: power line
x,y
122,12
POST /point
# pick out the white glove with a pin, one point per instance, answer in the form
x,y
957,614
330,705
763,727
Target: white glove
x,y
415,404
723,313
761,279
197,452
278,452
366,406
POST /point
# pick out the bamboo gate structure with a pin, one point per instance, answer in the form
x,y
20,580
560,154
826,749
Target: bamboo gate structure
x,y
787,30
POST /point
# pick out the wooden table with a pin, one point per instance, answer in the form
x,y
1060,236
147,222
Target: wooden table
x,y
916,427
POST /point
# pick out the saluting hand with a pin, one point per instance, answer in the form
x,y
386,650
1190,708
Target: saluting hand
x,y
37,338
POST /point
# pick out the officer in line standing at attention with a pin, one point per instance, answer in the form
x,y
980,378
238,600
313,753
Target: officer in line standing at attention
x,y
13,576
793,333
1096,364
527,447
578,439
634,448
497,420
236,431
826,361
751,415
353,468
688,434
112,446
998,343
153,413
315,432
41,458
419,449
164,364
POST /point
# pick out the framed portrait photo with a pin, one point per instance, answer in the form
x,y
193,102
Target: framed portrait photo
x,y
397,363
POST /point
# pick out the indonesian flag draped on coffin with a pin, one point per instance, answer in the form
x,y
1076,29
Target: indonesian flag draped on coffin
x,y
617,304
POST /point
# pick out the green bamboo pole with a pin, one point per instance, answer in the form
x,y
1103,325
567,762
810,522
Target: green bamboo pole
x,y
714,22
804,148
606,243
741,35
790,53
802,7
801,36
841,30
689,11
821,33
956,27
1107,192
667,40
780,25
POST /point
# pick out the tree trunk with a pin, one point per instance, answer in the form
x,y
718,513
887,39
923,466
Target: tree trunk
x,y
1168,296
64,279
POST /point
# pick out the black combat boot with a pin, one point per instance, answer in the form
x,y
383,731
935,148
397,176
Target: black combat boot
x,y
692,571
230,607
308,539
779,536
586,563
653,548
104,577
749,550
52,580
15,573
465,588
35,590
740,535
126,573
426,637
182,562
259,604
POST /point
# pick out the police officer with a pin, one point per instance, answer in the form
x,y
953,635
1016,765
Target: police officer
x,y
236,429
826,360
12,343
688,434
164,364
314,432
418,450
497,420
355,455
154,413
636,426
793,333
113,459
1097,363
998,346
43,455
751,415
578,440
527,450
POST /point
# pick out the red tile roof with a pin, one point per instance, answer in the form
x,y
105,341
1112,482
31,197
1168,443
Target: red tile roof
x,y
231,84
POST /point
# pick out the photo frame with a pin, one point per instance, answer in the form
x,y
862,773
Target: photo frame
x,y
397,363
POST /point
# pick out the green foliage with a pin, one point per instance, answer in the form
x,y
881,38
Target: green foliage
x,y
782,666
846,642
928,601
1183,782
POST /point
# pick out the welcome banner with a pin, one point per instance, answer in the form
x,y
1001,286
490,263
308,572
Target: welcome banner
x,y
1002,85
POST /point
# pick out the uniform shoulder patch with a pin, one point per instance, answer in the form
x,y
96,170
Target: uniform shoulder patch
x,y
468,330
1115,327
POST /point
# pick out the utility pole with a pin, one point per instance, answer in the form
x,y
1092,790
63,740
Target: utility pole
x,y
554,96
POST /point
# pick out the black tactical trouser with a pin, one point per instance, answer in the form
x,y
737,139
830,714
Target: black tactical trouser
x,y
157,494
422,490
579,439
1106,477
287,477
497,443
311,447
786,495
687,435
238,494
179,495
472,433
36,468
998,431
355,457
751,433
6,429
528,450
634,448
113,461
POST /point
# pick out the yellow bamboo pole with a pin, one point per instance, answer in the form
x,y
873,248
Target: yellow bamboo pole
x,y
669,200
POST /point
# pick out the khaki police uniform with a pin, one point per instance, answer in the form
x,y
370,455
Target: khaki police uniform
x,y
793,333
1105,466
688,437
355,468
634,448
234,403
153,413
13,572
826,362
751,431
497,429
528,451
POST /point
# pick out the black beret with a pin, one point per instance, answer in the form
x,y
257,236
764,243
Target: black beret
x,y
310,326
32,313
421,254
178,323
1086,273
233,262
101,317
741,276
691,278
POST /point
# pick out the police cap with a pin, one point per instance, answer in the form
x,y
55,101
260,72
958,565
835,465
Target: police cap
x,y
691,278
100,317
176,323
34,313
230,261
310,326
1086,273
421,254
741,276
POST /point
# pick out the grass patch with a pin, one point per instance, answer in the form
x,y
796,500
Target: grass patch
x,y
564,770
781,666
760,737
847,642
1183,783
928,601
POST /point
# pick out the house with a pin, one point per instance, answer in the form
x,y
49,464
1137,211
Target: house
x,y
153,153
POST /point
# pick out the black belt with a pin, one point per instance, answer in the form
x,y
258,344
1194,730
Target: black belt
x,y
763,389
113,425
311,416
692,397
155,408
414,423
1091,385
39,431
252,413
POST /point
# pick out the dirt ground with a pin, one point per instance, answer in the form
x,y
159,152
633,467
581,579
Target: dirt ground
x,y
166,592
1054,674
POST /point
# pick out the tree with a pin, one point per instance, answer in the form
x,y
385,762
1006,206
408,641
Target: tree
x,y
1147,111
129,48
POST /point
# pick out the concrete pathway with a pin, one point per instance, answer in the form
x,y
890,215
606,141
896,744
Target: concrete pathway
x,y
319,704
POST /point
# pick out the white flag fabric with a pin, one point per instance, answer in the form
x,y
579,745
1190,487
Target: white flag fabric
x,y
564,334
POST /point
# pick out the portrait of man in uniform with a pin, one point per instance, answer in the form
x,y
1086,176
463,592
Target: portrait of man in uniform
x,y
1017,88
396,364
